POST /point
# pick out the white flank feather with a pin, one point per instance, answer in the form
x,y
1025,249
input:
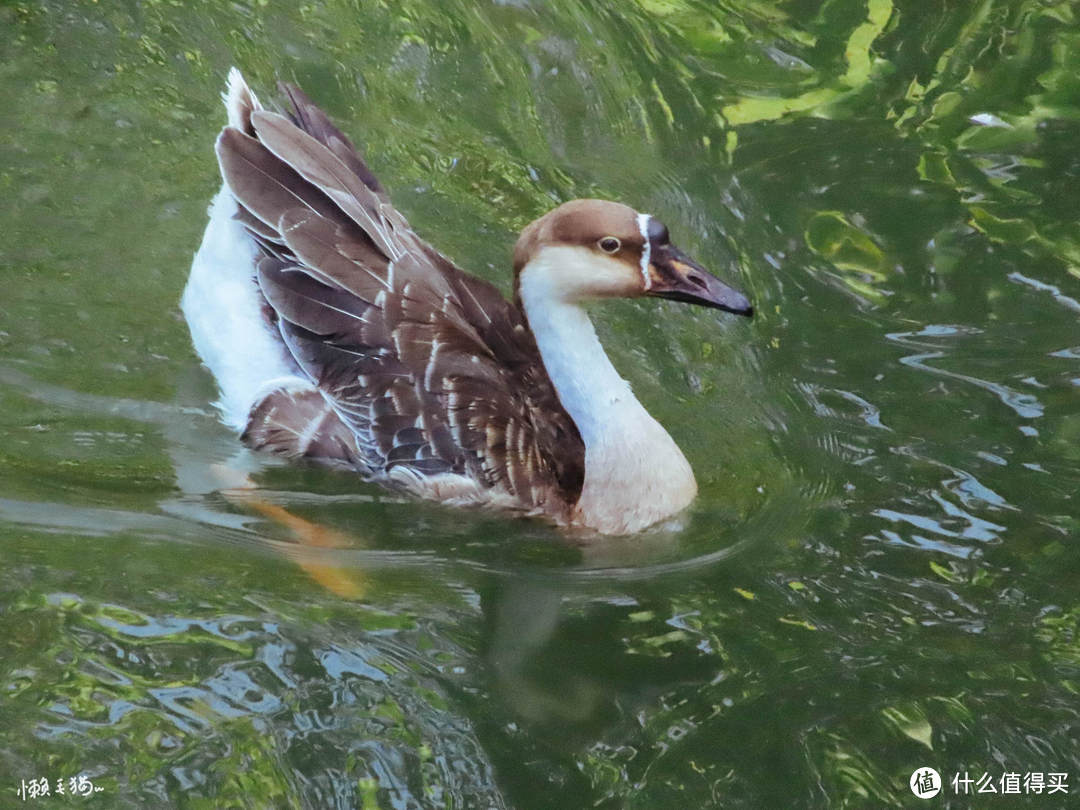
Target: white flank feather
x,y
224,312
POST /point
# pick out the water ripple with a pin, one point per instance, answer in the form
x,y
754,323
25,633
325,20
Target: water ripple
x,y
1025,405
1042,286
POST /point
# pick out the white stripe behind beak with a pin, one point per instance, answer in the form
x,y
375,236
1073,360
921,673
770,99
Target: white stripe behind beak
x,y
646,252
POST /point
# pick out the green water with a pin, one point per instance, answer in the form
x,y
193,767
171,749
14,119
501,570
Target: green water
x,y
880,572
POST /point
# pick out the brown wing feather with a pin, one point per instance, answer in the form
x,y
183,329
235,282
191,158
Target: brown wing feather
x,y
264,185
323,170
318,125
295,422
428,368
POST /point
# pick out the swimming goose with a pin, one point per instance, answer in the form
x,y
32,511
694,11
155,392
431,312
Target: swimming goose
x,y
335,333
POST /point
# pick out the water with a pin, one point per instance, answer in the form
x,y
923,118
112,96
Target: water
x,y
879,574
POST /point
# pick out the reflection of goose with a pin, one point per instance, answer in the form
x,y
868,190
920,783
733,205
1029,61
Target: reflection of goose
x,y
337,334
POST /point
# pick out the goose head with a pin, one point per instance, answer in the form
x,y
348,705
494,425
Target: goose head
x,y
599,249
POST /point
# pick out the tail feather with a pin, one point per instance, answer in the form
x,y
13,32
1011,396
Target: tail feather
x,y
240,102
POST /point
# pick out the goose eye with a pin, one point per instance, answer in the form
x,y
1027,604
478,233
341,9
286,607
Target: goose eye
x,y
609,244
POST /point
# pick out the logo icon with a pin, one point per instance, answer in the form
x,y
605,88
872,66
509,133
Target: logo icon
x,y
925,783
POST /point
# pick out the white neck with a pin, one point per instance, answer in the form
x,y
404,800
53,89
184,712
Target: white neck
x,y
635,474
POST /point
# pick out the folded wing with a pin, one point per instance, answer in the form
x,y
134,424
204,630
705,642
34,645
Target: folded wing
x,y
420,371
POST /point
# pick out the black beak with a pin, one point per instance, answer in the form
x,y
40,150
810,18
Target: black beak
x,y
674,275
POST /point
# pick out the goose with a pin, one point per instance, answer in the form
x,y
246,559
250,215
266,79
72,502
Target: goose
x,y
336,334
